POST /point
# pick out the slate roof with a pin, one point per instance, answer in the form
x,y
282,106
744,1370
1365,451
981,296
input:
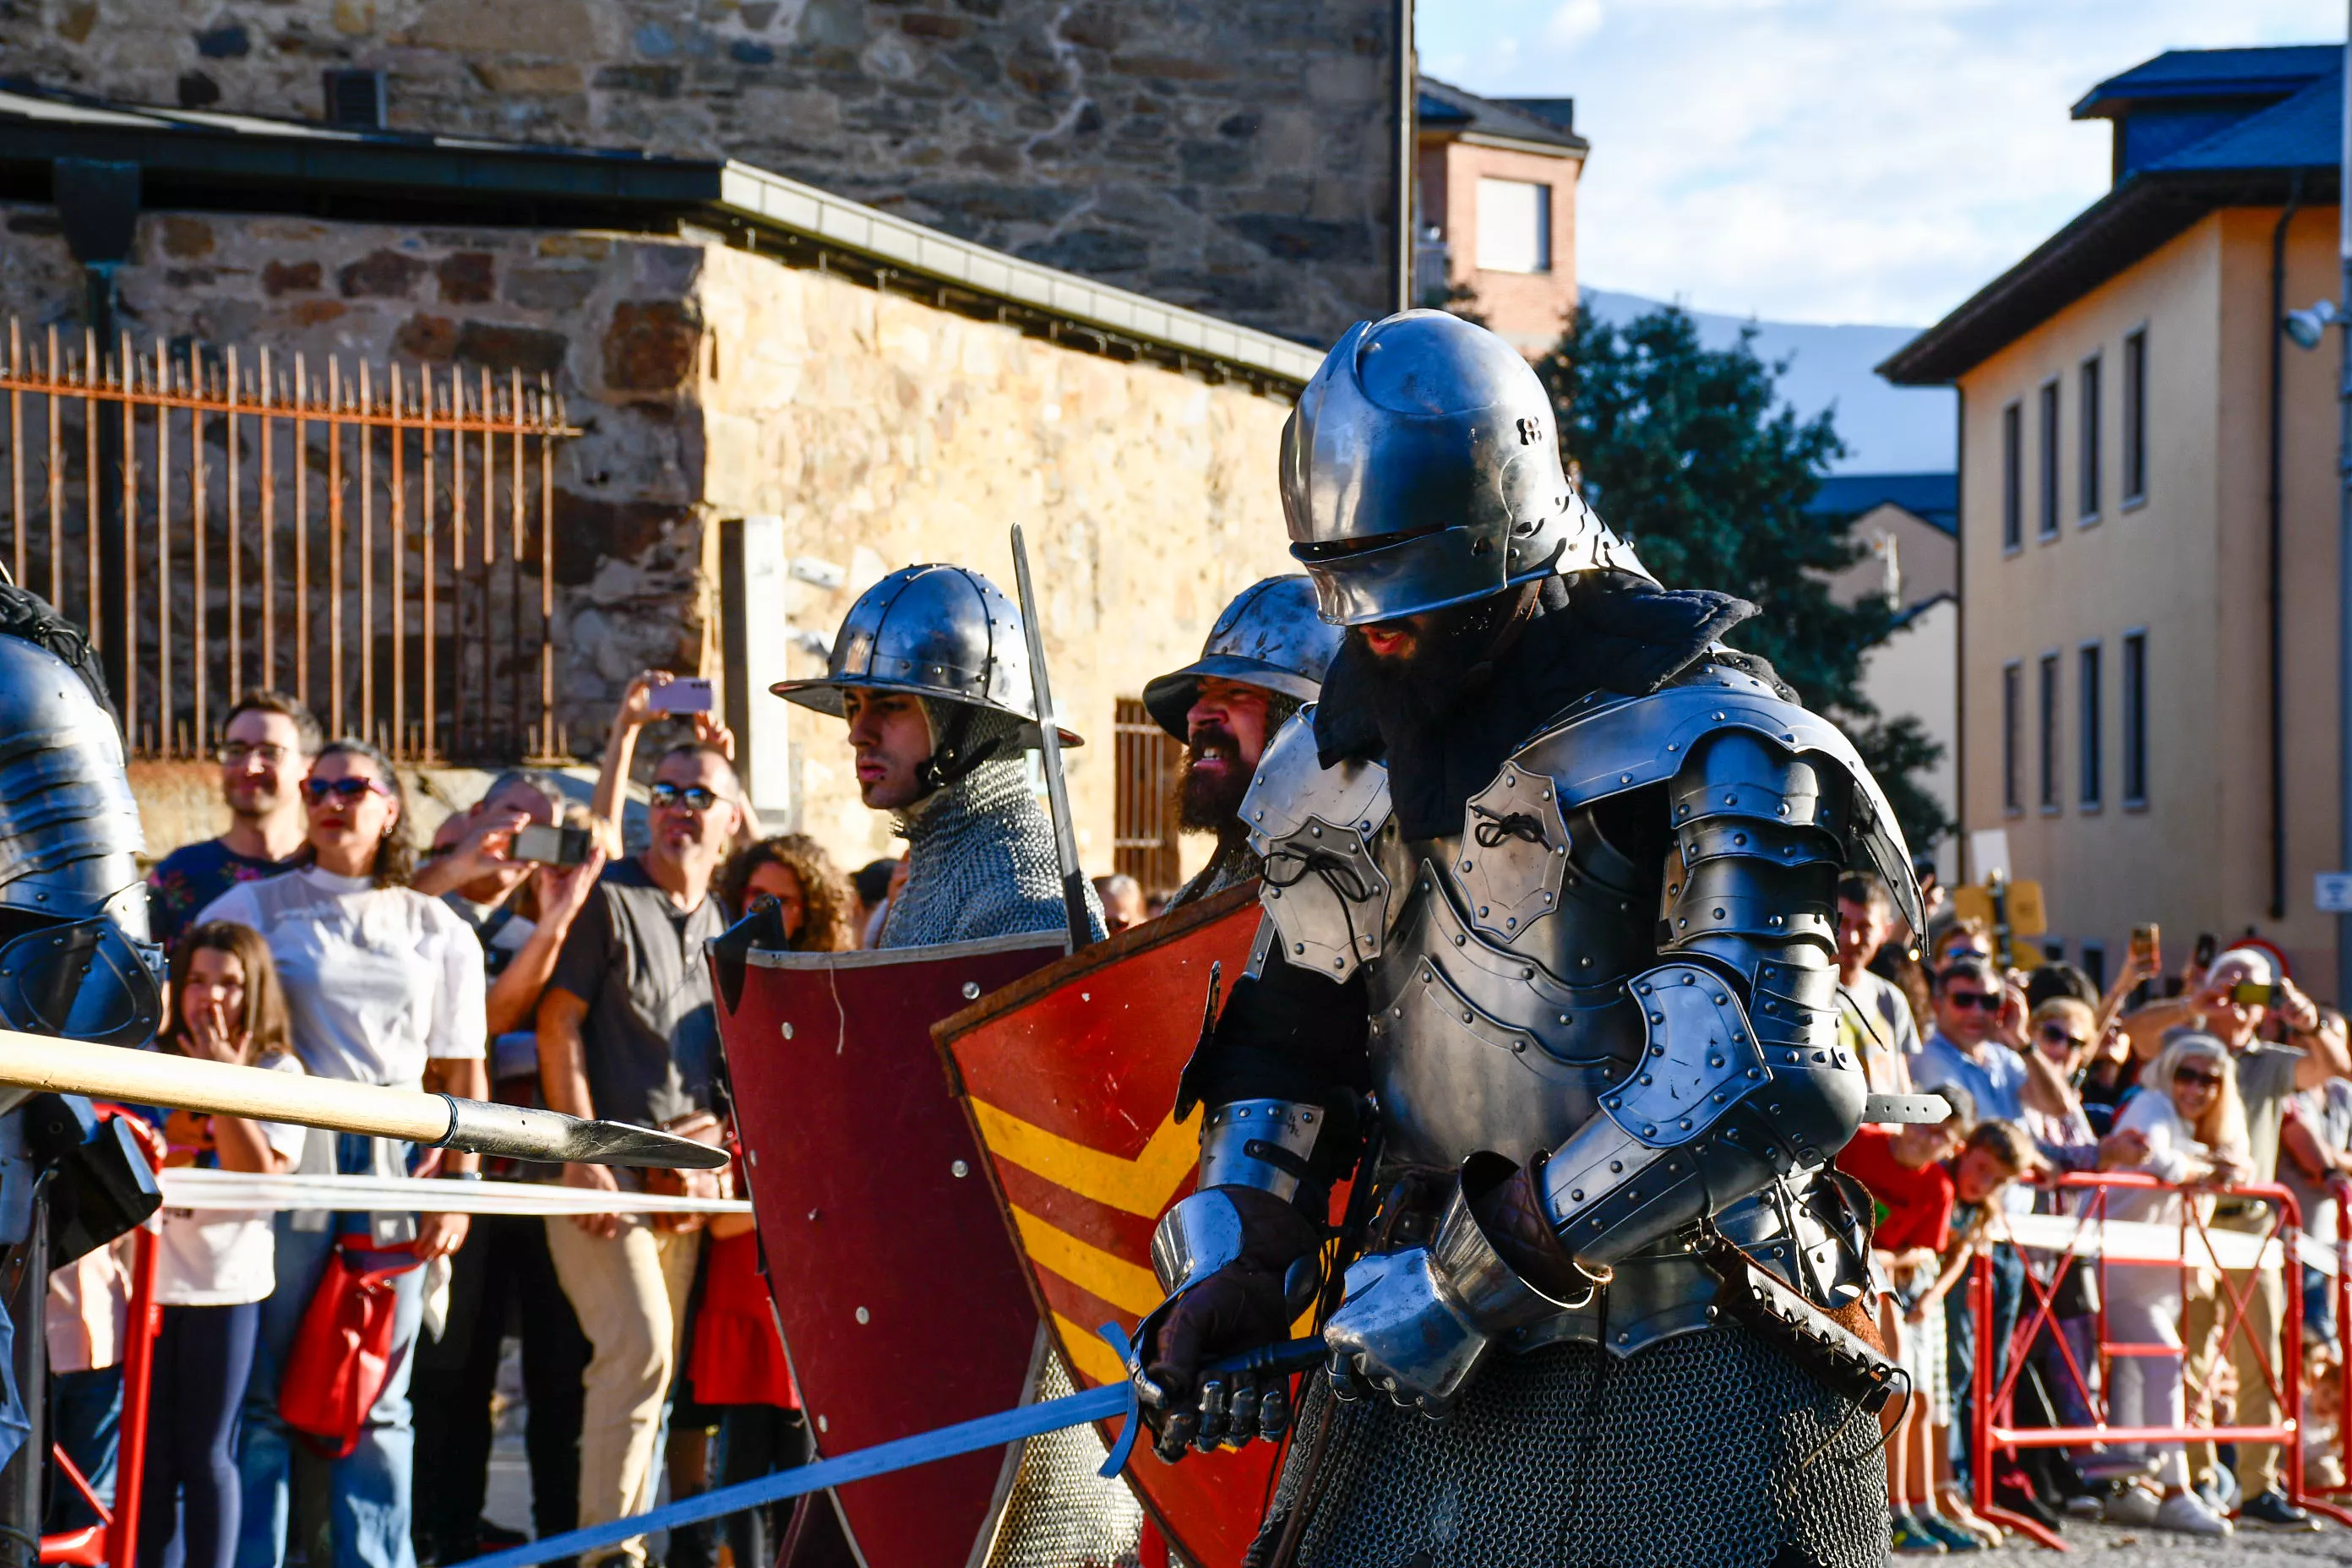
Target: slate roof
x,y
1441,106
1934,498
2255,160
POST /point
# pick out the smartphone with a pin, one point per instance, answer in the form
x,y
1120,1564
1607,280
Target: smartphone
x,y
687,694
552,846
2254,992
2206,945
2148,949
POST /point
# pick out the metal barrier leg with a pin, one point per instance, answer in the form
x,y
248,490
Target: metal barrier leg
x,y
1980,1422
2291,1358
138,1373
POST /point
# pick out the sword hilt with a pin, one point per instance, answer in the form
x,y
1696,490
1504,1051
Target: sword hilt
x,y
1277,1359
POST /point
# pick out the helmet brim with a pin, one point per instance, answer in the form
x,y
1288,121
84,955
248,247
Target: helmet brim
x,y
1168,698
823,696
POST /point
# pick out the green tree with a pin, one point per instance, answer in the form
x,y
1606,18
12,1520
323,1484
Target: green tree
x,y
1691,456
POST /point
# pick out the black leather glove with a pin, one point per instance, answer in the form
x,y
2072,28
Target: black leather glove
x,y
1240,1307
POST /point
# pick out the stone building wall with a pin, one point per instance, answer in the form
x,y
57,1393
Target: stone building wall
x,y
1228,156
710,383
609,317
885,431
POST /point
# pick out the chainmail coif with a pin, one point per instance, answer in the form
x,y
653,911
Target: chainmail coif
x,y
981,852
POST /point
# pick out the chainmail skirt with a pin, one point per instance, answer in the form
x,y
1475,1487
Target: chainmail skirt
x,y
1691,1453
1061,1514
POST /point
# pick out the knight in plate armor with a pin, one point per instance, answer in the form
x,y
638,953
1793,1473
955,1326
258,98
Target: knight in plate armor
x,y
1548,964
1264,657
931,672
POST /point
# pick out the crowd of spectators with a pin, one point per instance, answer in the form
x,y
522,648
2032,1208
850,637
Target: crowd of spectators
x,y
545,949
537,952
2191,1089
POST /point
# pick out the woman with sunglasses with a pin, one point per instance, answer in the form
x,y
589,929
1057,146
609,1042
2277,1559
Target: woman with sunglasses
x,y
383,985
2188,1110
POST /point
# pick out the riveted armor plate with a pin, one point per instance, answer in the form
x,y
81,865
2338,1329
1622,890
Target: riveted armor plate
x,y
1283,1131
1292,786
1327,897
1699,1058
1513,858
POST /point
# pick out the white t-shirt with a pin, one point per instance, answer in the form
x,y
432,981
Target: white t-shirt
x,y
212,1258
377,980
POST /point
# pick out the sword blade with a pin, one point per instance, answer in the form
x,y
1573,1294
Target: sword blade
x,y
903,1453
1057,789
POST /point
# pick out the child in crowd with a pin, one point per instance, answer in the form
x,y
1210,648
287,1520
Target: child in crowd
x,y
1902,1167
213,1269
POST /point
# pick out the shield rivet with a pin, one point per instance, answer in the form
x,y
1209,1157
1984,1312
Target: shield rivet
x,y
971,990
958,1170
788,1029
863,1316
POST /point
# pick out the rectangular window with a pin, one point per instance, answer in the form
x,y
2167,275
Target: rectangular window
x,y
2095,965
2134,677
2086,725
2012,478
1514,226
2087,415
2046,749
2135,416
2012,716
2046,474
1147,760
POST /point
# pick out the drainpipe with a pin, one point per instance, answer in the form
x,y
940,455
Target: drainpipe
x,y
2276,510
1954,875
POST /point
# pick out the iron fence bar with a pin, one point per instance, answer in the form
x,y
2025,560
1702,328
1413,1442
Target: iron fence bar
x,y
236,540
546,577
335,545
269,528
56,481
431,566
486,732
301,533
162,555
399,573
457,562
16,445
199,515
516,728
90,478
367,567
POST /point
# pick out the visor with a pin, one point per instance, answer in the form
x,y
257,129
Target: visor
x,y
1419,573
85,981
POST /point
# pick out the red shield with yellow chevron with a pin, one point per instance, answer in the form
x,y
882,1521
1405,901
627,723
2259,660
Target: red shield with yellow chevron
x,y
902,1308
1069,1076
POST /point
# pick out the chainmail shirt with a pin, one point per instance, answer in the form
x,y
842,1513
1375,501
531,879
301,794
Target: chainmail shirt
x,y
981,852
1234,863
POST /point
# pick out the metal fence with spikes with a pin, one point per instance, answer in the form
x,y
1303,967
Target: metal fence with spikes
x,y
375,541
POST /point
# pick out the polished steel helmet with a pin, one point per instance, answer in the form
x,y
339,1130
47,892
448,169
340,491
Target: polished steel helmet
x,y
1270,635
941,632
74,955
1421,468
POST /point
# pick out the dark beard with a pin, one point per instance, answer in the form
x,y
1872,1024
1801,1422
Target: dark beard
x,y
1420,695
1209,803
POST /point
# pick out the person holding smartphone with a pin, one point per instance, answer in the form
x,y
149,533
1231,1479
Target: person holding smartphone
x,y
654,696
2241,997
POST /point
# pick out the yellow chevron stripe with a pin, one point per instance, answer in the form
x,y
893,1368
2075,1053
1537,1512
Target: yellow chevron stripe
x,y
1090,1354
1107,1275
1142,1186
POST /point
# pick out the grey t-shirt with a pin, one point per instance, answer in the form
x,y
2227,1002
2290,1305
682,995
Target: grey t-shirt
x,y
2265,1080
651,1038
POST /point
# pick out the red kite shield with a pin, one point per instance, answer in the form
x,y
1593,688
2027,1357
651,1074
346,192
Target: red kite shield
x,y
1069,1076
902,1308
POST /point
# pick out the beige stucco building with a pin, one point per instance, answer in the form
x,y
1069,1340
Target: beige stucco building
x,y
2148,639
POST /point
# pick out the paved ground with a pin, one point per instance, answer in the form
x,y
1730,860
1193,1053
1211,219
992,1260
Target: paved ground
x,y
2109,1545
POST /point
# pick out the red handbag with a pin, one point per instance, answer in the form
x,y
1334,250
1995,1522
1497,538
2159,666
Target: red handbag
x,y
341,1355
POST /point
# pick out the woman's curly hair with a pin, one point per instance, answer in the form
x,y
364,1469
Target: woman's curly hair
x,y
826,900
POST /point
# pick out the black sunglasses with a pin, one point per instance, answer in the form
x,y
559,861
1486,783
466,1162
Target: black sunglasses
x,y
1982,1001
2057,1032
346,789
2190,1075
694,797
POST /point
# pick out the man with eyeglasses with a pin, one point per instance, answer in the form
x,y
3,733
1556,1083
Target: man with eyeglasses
x,y
265,752
1966,1046
627,1032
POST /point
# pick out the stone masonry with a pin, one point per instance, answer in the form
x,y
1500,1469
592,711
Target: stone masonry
x,y
710,383
1228,156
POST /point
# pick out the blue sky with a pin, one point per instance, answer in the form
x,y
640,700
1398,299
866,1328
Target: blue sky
x,y
1835,160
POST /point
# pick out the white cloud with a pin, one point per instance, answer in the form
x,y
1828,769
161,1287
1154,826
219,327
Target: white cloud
x,y
1830,160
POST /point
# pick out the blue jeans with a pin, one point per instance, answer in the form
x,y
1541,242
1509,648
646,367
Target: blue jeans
x,y
370,1483
84,1409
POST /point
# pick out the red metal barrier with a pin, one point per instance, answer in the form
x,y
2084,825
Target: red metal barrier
x,y
1992,1414
114,1539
